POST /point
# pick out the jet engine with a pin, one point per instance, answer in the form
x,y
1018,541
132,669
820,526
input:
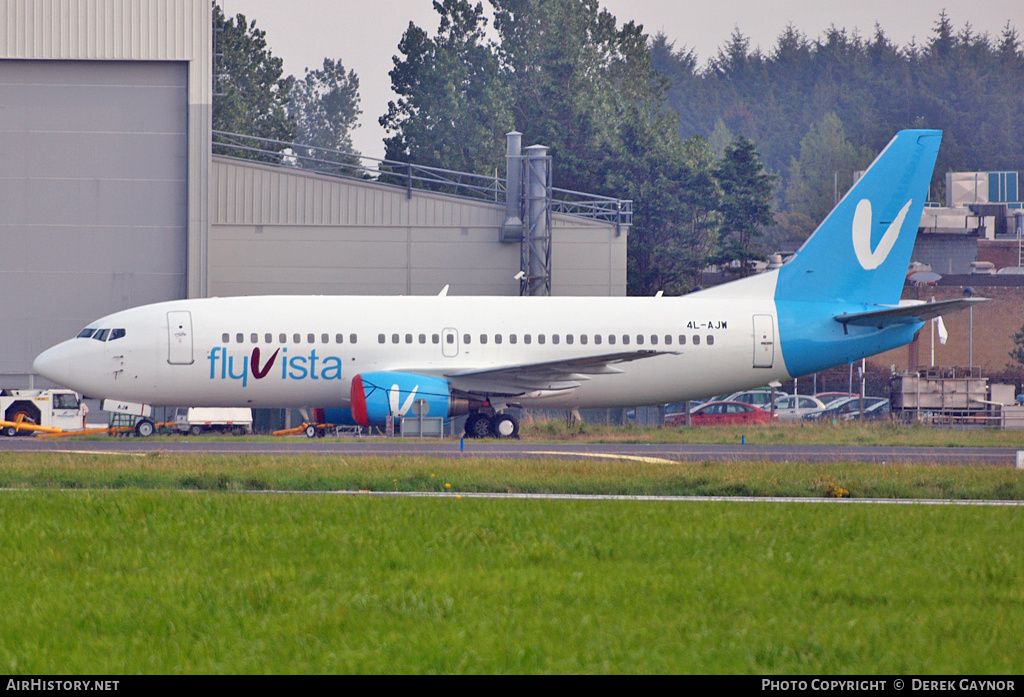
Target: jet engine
x,y
376,396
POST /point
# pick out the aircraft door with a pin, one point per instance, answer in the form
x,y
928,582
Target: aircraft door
x,y
450,342
764,341
179,337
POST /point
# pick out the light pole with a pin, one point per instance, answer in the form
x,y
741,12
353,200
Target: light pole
x,y
969,292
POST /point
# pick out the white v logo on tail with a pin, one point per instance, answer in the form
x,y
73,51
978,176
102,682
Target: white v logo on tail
x,y
862,236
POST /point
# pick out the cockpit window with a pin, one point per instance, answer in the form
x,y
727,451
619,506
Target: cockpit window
x,y
101,335
85,333
116,334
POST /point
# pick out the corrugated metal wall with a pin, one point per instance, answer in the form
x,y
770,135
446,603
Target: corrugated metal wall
x,y
276,230
132,30
104,170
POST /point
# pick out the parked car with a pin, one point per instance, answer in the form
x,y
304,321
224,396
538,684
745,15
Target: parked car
x,y
792,408
761,397
849,408
721,413
878,410
830,397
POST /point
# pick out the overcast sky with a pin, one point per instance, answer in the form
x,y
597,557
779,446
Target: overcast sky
x,y
365,34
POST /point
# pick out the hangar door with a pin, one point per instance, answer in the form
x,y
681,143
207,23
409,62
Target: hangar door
x,y
93,193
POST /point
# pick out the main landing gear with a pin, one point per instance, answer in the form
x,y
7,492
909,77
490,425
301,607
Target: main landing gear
x,y
494,425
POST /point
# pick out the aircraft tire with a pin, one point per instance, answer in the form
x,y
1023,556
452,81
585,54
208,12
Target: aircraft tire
x,y
478,426
310,431
504,426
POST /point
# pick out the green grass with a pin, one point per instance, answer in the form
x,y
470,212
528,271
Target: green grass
x,y
117,564
172,582
882,433
332,473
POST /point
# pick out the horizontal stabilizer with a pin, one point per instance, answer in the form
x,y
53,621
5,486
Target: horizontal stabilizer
x,y
906,314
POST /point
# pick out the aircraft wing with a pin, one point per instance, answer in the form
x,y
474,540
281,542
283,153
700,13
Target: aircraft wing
x,y
906,314
555,376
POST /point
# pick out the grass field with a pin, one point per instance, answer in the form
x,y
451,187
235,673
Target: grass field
x,y
159,564
874,433
171,582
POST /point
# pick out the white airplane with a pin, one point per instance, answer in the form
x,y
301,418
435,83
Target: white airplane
x,y
837,300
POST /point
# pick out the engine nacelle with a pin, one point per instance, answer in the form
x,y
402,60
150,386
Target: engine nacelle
x,y
376,396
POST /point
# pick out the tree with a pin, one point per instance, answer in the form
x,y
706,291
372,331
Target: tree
x,y
822,173
675,224
453,108
583,86
325,106
569,77
746,202
250,93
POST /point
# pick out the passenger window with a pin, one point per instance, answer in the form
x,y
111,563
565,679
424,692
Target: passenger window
x,y
239,338
583,338
625,339
568,338
423,338
611,339
711,340
380,338
668,339
597,339
696,340
527,338
512,338
282,338
435,338
254,338
325,339
408,338
116,334
483,338
465,338
450,338
339,338
268,338
497,338
352,339
225,338
541,338
654,339
554,338
682,340
310,339
395,338
640,339
296,339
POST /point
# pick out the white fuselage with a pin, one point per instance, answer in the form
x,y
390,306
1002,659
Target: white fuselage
x,y
292,351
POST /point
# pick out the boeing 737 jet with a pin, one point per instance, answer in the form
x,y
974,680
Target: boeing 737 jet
x,y
835,301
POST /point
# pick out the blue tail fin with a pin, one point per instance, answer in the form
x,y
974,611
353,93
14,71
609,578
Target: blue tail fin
x,y
861,251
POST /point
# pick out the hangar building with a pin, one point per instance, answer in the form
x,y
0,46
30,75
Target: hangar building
x,y
115,192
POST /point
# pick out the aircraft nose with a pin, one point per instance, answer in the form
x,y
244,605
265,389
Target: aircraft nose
x,y
54,364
